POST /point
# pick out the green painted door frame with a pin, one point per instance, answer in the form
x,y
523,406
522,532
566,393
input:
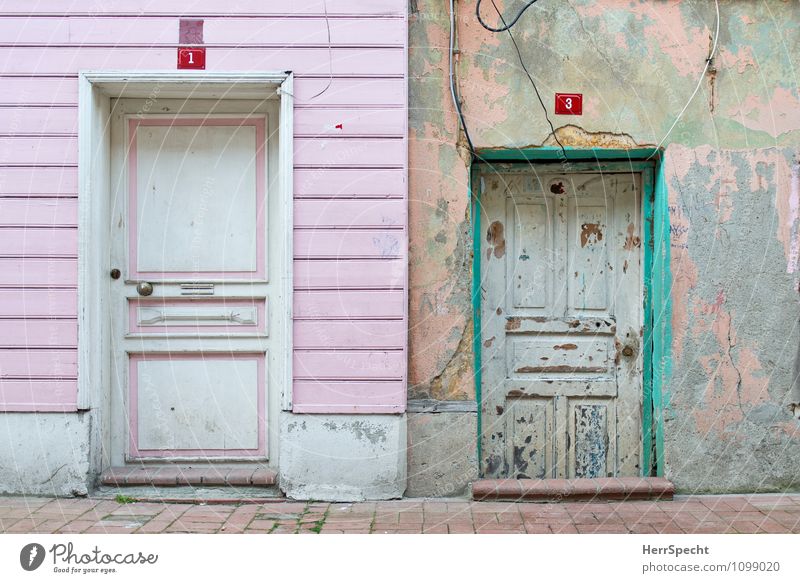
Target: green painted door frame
x,y
657,357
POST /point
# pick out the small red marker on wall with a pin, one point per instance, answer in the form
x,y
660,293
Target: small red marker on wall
x,y
339,126
569,103
190,32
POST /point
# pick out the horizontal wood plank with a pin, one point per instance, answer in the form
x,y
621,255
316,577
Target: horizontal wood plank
x,y
359,152
24,364
35,303
21,120
349,274
205,7
52,151
358,334
348,397
348,304
38,395
38,212
38,242
28,273
39,333
347,214
47,182
348,244
347,183
348,365
341,122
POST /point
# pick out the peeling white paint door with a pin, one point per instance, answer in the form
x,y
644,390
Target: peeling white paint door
x,y
562,308
194,300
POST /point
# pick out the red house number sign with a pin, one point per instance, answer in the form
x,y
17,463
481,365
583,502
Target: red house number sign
x,y
191,58
569,103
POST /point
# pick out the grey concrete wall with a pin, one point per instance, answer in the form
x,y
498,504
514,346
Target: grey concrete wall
x,y
45,454
343,457
733,183
442,456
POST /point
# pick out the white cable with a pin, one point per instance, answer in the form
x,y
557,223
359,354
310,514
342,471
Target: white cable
x,y
452,78
699,83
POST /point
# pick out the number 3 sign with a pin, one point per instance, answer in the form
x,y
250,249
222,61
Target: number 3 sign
x,y
569,103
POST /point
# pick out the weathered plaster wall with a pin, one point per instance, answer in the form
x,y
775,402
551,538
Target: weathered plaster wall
x,y
343,457
45,453
734,196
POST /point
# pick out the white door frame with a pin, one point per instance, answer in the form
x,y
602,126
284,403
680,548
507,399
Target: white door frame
x,y
96,89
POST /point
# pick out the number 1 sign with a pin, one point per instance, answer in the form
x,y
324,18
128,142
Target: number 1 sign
x,y
569,103
192,58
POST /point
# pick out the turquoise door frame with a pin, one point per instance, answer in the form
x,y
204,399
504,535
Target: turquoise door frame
x,y
657,357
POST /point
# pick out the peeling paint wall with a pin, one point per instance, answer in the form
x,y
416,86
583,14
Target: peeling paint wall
x,y
733,185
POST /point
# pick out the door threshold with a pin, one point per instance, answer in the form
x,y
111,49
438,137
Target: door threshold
x,y
174,476
189,494
579,489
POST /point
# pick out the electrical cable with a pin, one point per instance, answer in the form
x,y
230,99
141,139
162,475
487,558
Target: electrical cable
x,y
505,26
530,77
711,54
453,94
330,53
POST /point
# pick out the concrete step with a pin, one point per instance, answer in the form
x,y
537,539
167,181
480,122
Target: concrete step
x,y
170,475
579,489
190,494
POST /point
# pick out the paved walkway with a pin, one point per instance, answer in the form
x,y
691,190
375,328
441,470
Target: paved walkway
x,y
692,514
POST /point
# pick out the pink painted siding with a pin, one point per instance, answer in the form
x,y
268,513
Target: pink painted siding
x,y
350,231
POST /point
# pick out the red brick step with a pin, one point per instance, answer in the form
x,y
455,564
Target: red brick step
x,y
577,489
189,476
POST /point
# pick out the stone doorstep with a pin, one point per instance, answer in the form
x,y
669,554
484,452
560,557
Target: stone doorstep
x,y
579,489
189,476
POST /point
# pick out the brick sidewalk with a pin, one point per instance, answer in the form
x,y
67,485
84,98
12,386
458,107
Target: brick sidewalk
x,y
765,513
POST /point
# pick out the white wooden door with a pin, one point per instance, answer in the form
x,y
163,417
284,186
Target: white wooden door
x,y
562,305
194,300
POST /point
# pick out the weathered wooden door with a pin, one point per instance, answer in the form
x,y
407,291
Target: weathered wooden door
x,y
193,293
562,305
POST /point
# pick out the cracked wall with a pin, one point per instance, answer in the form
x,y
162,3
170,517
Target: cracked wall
x,y
734,196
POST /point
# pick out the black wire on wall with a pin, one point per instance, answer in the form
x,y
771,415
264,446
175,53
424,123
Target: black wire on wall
x,y
507,28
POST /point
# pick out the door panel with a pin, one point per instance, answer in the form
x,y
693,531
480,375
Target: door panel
x,y
194,192
192,359
196,403
562,318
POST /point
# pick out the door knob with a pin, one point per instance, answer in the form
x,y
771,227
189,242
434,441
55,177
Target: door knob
x,y
145,288
627,351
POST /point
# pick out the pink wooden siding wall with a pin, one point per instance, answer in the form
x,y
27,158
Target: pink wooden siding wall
x,y
350,232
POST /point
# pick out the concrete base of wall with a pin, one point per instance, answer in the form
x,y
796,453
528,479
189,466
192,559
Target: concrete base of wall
x,y
45,454
343,457
442,456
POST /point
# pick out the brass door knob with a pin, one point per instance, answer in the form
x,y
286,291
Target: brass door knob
x,y
627,351
145,288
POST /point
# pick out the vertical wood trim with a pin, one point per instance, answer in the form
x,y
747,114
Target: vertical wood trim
x,y
662,313
286,174
647,356
405,244
92,183
475,199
